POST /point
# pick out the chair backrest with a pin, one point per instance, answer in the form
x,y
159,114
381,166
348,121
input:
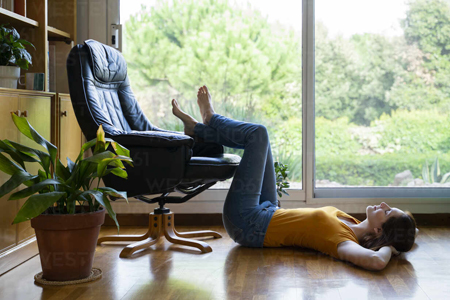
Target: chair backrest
x,y
100,91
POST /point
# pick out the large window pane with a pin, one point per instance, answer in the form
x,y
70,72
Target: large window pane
x,y
382,97
248,53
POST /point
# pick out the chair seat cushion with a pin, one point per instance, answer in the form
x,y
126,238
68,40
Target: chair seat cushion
x,y
214,168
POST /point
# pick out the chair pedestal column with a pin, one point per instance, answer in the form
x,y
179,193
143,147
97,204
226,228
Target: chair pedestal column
x,y
161,224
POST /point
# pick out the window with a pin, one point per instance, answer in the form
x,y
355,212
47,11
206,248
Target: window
x,y
248,53
370,88
381,98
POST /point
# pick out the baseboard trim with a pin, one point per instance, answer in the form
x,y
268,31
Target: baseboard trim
x,y
18,255
215,219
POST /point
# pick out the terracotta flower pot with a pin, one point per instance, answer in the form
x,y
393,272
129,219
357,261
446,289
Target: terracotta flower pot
x,y
67,243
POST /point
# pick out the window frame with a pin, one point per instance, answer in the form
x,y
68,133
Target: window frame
x,y
424,200
336,194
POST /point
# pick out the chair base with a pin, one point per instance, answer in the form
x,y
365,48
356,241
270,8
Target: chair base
x,y
158,225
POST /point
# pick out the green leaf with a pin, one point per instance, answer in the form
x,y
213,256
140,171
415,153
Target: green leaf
x,y
33,189
110,210
87,198
16,179
14,35
19,157
26,129
24,42
445,177
103,200
116,171
8,166
97,158
70,165
71,201
61,171
435,171
124,158
120,150
37,204
43,175
85,146
425,173
86,171
102,165
100,145
119,172
116,161
112,192
43,157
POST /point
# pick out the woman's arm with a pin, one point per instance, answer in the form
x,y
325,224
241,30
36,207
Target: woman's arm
x,y
363,257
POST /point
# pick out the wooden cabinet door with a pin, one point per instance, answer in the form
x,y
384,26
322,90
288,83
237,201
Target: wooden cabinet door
x,y
70,136
8,209
38,113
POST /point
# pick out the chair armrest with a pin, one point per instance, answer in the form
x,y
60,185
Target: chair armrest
x,y
154,139
156,170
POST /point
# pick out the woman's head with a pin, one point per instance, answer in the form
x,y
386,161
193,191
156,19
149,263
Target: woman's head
x,y
389,226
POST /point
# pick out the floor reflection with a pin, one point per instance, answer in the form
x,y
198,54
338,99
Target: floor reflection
x,y
295,273
164,280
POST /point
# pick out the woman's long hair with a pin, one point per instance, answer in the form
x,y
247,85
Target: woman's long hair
x,y
398,232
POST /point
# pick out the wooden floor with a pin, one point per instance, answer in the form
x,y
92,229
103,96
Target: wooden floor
x,y
231,272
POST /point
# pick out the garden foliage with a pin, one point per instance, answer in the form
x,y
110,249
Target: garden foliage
x,y
381,103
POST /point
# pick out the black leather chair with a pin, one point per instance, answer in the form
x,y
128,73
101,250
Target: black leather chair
x,y
164,161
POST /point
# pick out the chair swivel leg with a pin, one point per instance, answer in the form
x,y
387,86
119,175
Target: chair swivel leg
x,y
193,234
154,233
200,233
122,238
130,249
173,238
132,238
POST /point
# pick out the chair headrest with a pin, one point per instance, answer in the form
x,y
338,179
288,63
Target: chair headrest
x,y
108,64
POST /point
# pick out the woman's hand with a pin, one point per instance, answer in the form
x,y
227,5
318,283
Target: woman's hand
x,y
394,251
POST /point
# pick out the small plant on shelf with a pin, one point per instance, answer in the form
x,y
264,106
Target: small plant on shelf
x,y
12,48
13,56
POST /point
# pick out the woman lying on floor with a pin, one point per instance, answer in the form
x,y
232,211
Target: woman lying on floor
x,y
251,215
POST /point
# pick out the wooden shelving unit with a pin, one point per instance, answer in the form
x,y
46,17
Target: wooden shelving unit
x,y
50,25
16,20
54,33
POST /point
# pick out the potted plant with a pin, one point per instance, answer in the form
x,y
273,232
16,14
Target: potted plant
x,y
13,56
64,202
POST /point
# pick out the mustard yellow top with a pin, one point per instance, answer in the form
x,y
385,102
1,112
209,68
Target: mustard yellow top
x,y
315,228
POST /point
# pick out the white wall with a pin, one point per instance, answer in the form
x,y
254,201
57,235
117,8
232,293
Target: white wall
x,y
94,19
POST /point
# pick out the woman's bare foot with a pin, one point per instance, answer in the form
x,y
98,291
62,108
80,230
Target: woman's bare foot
x,y
205,104
188,121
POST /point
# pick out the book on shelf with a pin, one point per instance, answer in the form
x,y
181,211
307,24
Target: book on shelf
x,y
20,7
7,4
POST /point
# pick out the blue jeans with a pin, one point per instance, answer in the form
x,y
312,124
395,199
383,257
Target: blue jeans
x,y
252,198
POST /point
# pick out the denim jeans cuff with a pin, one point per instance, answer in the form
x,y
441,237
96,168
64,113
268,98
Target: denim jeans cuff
x,y
212,120
199,128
